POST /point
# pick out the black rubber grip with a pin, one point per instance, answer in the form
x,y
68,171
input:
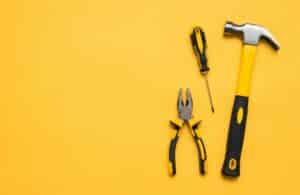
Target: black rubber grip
x,y
172,150
201,54
204,67
201,153
231,165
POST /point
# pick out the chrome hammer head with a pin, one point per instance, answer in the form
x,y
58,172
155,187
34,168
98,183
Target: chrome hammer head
x,y
251,33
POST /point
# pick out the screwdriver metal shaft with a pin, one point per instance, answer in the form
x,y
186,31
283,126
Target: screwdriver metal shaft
x,y
209,94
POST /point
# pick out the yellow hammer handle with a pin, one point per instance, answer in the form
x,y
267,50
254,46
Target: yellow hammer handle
x,y
236,133
246,68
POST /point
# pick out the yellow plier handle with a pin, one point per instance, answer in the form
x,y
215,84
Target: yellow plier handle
x,y
176,126
202,154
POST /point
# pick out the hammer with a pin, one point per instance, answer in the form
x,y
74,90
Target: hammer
x,y
251,35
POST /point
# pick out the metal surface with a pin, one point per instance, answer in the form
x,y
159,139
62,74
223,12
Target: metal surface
x,y
251,33
209,94
185,109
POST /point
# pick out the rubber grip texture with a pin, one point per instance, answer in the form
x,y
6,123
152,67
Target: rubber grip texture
x,y
172,159
231,165
201,154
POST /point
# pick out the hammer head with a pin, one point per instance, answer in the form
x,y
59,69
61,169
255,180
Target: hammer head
x,y
251,33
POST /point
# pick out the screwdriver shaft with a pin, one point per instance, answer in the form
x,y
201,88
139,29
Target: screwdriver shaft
x,y
209,94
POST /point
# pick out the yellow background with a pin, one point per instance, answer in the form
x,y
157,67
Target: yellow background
x,y
88,87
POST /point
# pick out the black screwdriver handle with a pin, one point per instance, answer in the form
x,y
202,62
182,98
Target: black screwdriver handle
x,y
231,165
199,44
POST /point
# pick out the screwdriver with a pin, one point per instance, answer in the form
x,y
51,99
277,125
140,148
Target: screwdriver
x,y
199,45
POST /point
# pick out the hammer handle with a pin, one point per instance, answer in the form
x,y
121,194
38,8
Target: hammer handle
x,y
245,70
231,166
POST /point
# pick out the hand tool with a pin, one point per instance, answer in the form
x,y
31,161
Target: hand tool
x,y
185,117
199,45
251,34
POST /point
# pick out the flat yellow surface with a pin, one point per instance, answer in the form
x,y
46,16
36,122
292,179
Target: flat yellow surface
x,y
88,87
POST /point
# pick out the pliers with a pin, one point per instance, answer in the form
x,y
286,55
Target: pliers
x,y
185,117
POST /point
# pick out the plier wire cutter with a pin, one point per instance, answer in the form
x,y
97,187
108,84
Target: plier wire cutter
x,y
185,117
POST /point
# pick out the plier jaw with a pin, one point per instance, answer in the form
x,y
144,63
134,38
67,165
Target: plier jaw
x,y
185,109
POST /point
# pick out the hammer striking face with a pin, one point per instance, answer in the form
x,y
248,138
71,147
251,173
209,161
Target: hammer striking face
x,y
251,35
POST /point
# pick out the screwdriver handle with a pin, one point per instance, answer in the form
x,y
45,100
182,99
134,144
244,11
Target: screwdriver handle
x,y
199,45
